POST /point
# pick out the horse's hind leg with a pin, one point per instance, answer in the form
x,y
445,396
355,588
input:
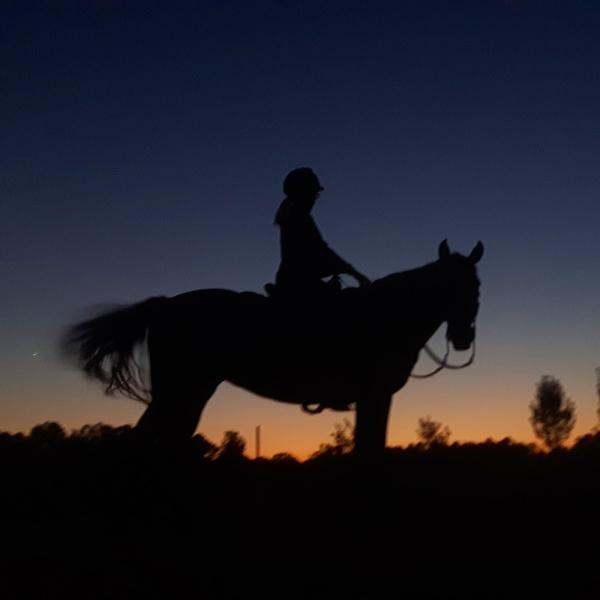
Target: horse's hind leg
x,y
179,394
174,413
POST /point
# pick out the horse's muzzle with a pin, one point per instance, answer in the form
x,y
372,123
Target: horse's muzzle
x,y
462,340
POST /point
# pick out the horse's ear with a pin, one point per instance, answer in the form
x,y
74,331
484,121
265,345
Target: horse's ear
x,y
444,250
476,253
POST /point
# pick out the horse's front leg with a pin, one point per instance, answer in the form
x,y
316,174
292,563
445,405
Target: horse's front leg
x,y
370,432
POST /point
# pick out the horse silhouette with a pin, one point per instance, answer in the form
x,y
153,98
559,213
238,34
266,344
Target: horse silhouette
x,y
355,347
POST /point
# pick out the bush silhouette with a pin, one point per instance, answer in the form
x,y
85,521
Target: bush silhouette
x,y
47,434
284,458
343,441
100,431
232,447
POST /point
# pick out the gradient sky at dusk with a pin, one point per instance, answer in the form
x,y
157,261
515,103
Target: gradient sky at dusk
x,y
144,145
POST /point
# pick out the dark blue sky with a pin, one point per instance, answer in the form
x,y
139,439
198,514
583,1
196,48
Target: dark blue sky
x,y
144,145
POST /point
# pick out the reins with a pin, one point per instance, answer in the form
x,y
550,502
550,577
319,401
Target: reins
x,y
443,362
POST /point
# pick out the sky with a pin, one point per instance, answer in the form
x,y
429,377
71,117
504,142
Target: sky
x,y
144,146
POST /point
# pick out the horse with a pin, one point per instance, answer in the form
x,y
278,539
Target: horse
x,y
356,347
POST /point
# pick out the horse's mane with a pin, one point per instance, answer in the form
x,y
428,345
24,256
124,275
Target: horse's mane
x,y
407,279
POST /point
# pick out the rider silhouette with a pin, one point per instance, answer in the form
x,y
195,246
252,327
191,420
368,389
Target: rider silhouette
x,y
305,257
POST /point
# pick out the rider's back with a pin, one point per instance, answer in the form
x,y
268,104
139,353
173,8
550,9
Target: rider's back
x,y
305,257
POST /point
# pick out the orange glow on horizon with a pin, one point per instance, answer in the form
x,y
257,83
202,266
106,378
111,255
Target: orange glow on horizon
x,y
285,428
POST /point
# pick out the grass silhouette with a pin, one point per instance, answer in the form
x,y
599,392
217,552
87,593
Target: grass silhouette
x,y
93,515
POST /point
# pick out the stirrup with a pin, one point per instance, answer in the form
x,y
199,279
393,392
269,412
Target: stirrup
x,y
312,409
319,408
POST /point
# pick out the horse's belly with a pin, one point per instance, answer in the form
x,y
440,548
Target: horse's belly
x,y
300,387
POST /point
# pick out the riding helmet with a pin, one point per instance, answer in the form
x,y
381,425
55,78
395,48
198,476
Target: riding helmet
x,y
300,181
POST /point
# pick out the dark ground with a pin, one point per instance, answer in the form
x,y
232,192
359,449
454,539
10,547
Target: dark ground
x,y
100,518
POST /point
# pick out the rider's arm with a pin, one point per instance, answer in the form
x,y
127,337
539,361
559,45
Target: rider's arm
x,y
360,278
326,262
336,265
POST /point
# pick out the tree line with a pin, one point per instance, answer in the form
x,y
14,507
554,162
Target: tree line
x,y
552,417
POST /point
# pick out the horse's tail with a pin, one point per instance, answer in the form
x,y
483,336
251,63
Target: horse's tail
x,y
105,347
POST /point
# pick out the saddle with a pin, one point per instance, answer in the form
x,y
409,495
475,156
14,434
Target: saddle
x,y
320,296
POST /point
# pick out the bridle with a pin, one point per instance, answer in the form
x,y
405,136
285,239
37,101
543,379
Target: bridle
x,y
443,362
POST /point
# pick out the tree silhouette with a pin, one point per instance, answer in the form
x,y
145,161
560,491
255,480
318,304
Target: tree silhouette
x,y
431,433
552,413
232,447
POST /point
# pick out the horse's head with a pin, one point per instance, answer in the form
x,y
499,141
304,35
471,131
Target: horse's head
x,y
463,300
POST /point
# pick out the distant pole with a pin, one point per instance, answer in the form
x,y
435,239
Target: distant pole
x,y
257,441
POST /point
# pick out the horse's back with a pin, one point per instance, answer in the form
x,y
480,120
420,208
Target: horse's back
x,y
211,310
214,299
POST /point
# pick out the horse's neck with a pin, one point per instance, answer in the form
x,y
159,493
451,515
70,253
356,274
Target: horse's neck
x,y
416,300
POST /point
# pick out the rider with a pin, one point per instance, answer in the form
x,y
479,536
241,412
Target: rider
x,y
305,257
